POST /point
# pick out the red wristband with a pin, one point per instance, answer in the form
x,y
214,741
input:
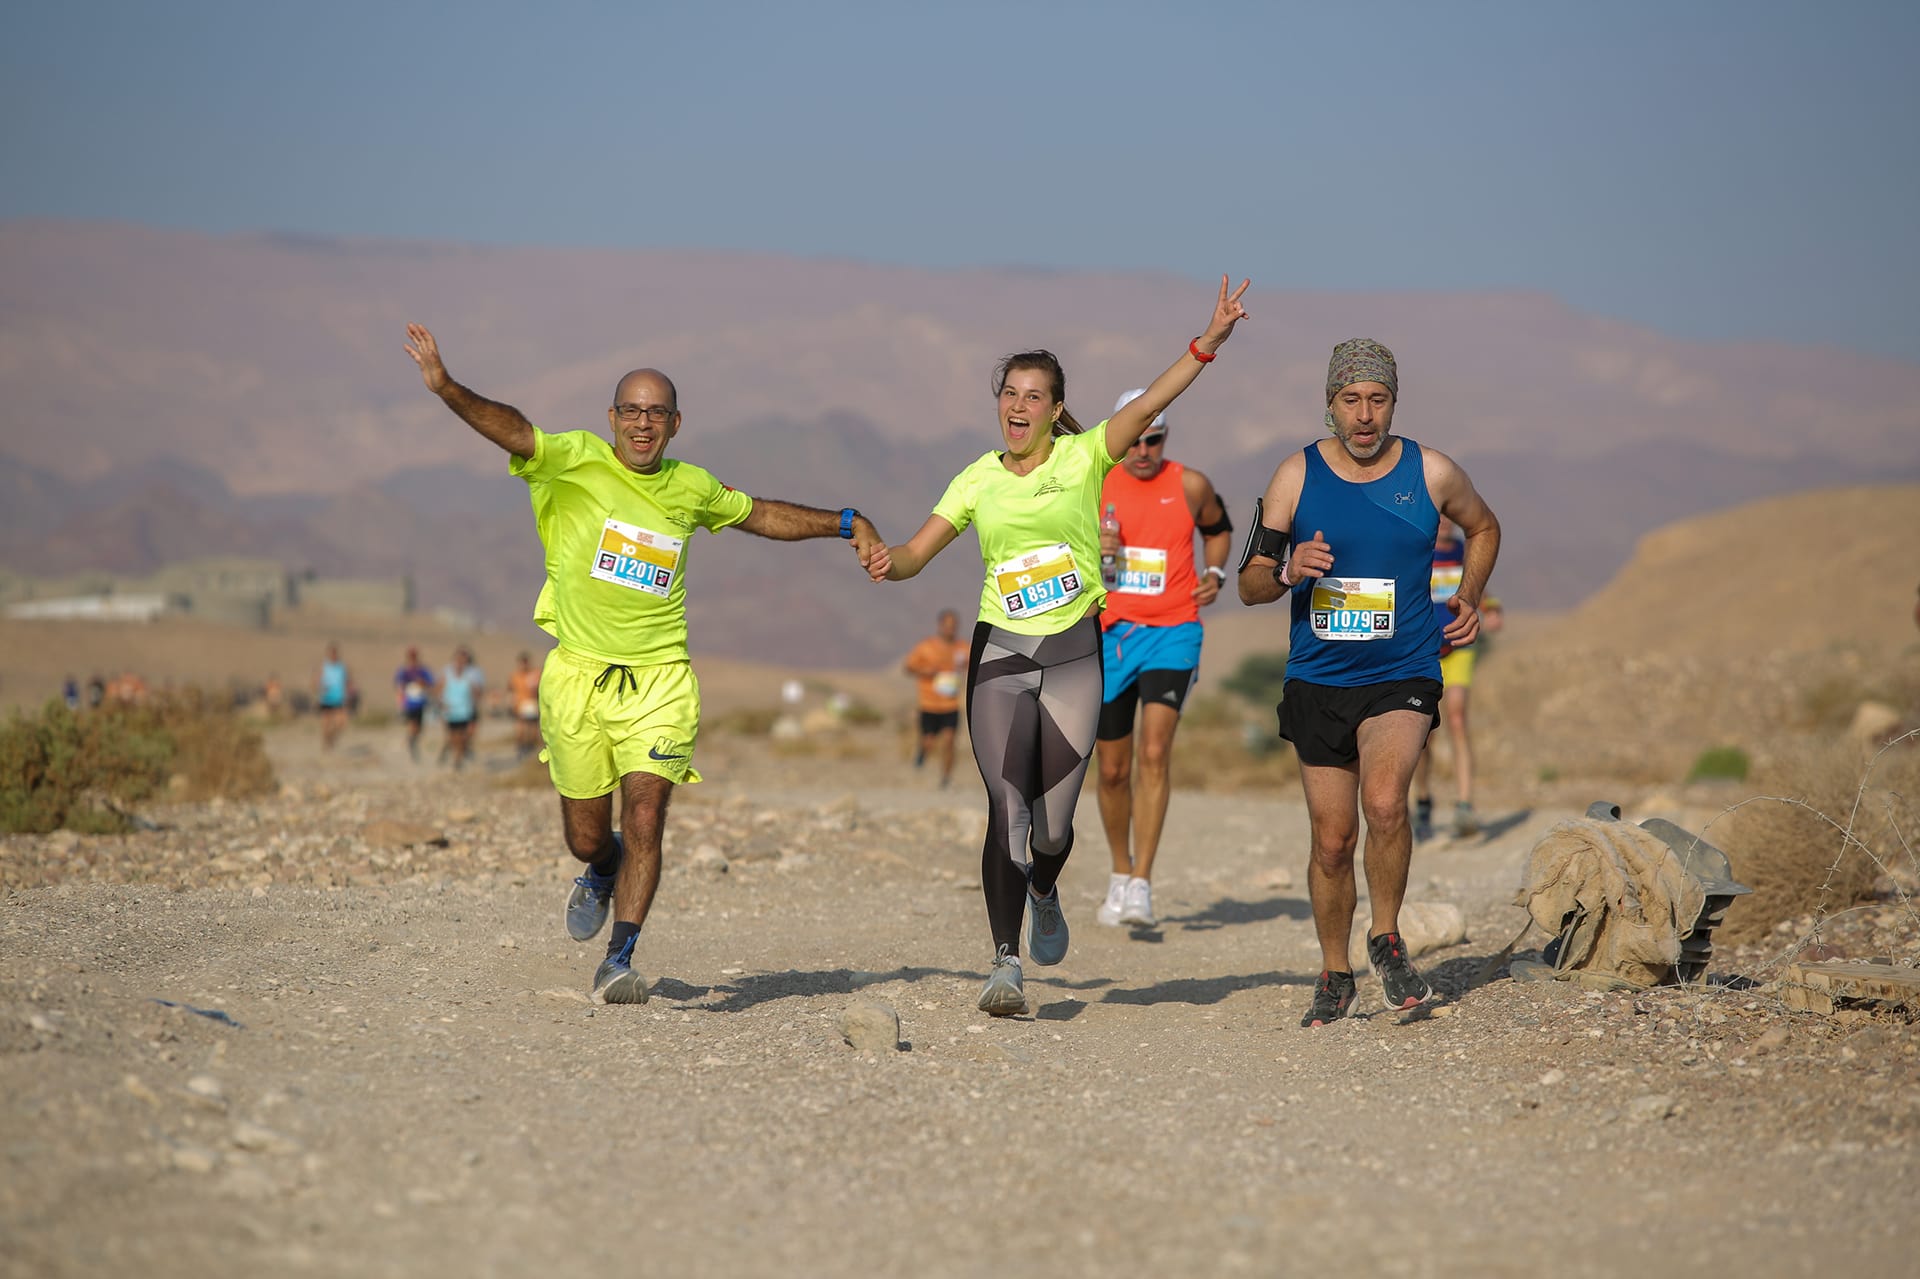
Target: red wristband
x,y
1193,349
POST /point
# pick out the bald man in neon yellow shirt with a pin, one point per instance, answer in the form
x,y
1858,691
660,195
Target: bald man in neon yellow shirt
x,y
619,703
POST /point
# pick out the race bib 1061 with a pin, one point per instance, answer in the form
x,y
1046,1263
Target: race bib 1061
x,y
1352,608
1038,581
637,558
1143,570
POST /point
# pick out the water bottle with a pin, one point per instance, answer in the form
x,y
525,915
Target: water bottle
x,y
1109,564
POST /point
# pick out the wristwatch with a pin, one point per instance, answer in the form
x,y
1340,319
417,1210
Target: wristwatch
x,y
847,516
1217,573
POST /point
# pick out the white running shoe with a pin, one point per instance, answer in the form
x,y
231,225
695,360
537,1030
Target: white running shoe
x,y
1137,905
1109,912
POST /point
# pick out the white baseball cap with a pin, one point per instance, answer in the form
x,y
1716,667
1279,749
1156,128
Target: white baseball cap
x,y
1159,419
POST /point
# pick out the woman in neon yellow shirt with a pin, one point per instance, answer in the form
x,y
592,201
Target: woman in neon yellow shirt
x,y
1033,679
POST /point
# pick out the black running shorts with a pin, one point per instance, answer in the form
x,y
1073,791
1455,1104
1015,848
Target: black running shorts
x,y
1168,688
932,722
1321,720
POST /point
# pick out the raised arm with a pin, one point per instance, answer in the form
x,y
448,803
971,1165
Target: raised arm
x,y
1125,426
502,423
898,563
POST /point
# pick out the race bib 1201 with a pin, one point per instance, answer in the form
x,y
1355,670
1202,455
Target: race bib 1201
x,y
1038,581
1143,570
1352,608
637,558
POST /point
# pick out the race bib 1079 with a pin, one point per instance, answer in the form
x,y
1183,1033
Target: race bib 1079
x,y
1352,608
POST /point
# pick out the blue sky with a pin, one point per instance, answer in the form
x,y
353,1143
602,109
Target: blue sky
x,y
1712,169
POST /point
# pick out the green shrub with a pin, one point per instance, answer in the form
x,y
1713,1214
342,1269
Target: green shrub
x,y
82,769
1720,763
1258,678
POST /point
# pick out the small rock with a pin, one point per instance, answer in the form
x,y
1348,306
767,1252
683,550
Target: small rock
x,y
135,1085
206,1086
1277,880
1424,927
62,842
386,832
194,1159
506,941
260,1139
708,860
1649,1107
1445,1010
461,816
1773,1037
1552,1077
1873,722
871,1026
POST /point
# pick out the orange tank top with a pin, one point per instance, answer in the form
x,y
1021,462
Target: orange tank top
x,y
1156,548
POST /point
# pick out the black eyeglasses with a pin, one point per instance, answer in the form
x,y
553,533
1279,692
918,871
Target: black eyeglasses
x,y
658,414
1152,438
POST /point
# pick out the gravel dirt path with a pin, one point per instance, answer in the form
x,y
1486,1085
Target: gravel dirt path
x,y
406,1076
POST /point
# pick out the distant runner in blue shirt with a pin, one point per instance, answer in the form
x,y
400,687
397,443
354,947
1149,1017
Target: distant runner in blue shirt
x,y
332,689
460,704
413,689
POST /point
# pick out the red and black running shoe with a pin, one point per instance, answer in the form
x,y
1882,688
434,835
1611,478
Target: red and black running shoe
x,y
1332,999
1401,984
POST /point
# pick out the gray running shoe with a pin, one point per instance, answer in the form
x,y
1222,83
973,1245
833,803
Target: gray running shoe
x,y
1464,822
1004,995
591,899
616,981
1046,928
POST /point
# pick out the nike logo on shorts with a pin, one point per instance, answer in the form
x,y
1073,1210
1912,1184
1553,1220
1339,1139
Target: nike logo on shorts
x,y
653,752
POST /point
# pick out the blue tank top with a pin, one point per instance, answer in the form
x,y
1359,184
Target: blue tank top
x,y
333,683
1371,620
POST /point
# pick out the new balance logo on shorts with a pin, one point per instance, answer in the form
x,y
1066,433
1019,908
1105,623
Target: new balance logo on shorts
x,y
1414,702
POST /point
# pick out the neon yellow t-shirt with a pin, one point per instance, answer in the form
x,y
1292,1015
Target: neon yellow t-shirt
x,y
617,546
1039,533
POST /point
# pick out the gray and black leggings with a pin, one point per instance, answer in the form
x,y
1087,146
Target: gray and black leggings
x,y
1033,702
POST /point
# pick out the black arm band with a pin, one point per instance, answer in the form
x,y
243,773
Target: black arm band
x,y
1262,540
1223,525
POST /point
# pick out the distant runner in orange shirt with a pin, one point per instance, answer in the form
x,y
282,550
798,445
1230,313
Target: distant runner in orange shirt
x,y
1150,633
523,691
939,662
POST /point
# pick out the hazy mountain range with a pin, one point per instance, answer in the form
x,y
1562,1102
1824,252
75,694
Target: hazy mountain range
x,y
168,395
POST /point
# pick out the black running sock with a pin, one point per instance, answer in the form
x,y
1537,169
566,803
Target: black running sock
x,y
1047,867
620,934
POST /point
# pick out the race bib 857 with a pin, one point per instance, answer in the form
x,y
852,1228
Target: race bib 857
x,y
1038,581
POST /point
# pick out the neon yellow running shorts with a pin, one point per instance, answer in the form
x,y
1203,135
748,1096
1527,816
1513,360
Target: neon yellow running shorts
x,y
1456,668
602,722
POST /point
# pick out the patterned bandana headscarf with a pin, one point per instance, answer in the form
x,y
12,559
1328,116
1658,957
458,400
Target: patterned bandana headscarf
x,y
1360,360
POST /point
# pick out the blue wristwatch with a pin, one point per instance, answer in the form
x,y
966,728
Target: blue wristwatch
x,y
847,514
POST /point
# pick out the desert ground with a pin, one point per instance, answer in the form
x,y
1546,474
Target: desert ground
x,y
266,1039
338,1029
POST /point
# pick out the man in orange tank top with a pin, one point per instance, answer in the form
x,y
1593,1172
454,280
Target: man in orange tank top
x,y
1150,510
939,663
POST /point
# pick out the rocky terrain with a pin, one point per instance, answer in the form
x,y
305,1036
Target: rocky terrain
x,y
340,1031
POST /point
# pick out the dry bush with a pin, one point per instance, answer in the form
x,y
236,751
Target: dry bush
x,y
1215,757
528,774
1835,819
81,770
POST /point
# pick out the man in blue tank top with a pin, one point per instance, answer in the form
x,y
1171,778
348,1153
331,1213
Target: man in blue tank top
x,y
1363,665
